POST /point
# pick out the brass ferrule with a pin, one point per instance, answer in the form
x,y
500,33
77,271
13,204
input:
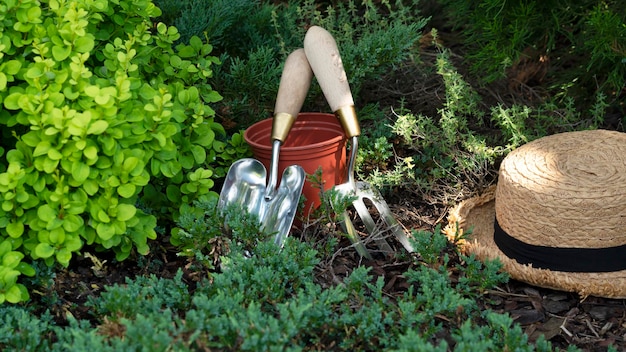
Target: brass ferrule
x,y
281,124
349,122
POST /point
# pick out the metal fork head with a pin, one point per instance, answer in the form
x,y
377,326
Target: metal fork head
x,y
363,190
366,191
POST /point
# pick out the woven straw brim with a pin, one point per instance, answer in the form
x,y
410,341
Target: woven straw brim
x,y
478,214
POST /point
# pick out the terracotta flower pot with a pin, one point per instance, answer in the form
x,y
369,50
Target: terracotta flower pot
x,y
316,139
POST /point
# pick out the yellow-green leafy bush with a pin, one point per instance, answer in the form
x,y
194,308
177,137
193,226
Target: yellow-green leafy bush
x,y
99,111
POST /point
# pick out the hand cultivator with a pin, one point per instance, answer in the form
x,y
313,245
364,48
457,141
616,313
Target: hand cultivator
x,y
323,56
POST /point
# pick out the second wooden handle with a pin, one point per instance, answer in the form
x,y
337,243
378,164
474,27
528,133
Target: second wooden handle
x,y
323,55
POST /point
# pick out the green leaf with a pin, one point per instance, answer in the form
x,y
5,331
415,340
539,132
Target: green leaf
x,y
72,223
130,164
38,185
187,52
188,188
195,42
84,44
11,101
199,154
5,247
105,231
44,250
46,213
173,193
206,139
183,97
25,269
3,81
35,71
147,92
122,254
91,187
113,181
97,127
73,243
102,99
142,248
78,124
61,53
119,226
142,179
80,171
15,229
104,161
70,94
22,27
92,91
89,234
162,28
9,276
186,161
34,15
49,165
126,190
11,67
12,259
51,131
212,97
108,144
91,152
58,99
42,148
22,197
54,154
175,61
64,256
125,212
103,216
80,144
160,138
168,169
15,295
31,139
7,205
57,233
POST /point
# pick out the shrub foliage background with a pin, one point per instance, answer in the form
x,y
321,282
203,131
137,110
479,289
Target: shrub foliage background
x,y
253,38
587,37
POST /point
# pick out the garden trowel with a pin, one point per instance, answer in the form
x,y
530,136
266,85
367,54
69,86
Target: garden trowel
x,y
323,56
245,184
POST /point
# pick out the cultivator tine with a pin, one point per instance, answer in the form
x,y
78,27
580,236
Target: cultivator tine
x,y
354,236
366,191
370,225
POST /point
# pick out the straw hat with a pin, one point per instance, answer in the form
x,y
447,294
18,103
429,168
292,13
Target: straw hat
x,y
557,216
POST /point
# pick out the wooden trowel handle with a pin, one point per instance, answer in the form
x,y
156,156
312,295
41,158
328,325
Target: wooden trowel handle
x,y
323,55
294,86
